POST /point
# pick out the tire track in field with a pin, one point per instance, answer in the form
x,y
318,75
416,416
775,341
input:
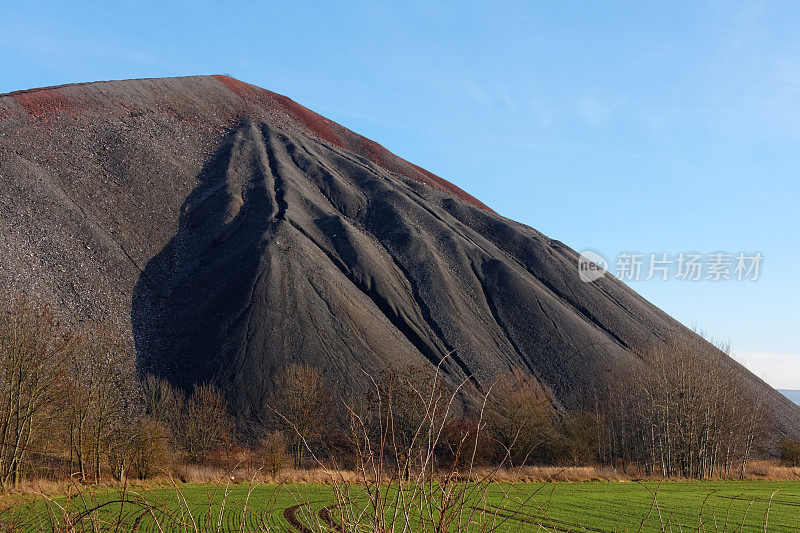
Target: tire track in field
x,y
325,515
290,514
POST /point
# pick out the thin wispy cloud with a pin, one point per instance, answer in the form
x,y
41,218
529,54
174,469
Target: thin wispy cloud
x,y
595,110
476,92
492,96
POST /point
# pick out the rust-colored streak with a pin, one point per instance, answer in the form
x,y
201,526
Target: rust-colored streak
x,y
319,125
43,102
342,137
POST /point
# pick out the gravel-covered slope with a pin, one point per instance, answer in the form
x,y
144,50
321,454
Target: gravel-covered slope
x,y
228,231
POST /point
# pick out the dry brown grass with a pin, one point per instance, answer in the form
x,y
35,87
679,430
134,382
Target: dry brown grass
x,y
208,474
772,471
764,470
555,473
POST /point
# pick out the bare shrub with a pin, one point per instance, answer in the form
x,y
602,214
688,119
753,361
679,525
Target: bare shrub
x,y
33,356
162,401
150,451
462,434
103,400
205,426
413,398
520,418
578,443
789,449
273,453
299,399
396,434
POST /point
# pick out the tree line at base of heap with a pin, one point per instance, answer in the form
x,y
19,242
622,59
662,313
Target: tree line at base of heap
x,y
72,403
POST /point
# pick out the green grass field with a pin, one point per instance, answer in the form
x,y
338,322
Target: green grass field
x,y
588,506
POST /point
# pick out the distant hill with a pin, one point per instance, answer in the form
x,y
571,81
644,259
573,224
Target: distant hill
x,y
230,231
793,395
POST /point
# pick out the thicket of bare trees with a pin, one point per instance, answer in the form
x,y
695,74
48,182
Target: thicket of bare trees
x,y
302,406
101,403
33,357
689,415
521,419
789,449
72,403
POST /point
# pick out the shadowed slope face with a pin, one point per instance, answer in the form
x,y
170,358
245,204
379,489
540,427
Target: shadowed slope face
x,y
240,232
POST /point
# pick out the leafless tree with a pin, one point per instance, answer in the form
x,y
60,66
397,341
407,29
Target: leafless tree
x,y
107,396
686,413
162,401
789,449
273,452
520,417
206,425
33,354
299,400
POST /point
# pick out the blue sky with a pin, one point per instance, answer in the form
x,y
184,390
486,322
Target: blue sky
x,y
641,127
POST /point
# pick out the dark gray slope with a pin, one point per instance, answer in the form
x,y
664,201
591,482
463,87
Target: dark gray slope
x,y
238,234
293,250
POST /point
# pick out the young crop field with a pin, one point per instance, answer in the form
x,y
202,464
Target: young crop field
x,y
588,506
